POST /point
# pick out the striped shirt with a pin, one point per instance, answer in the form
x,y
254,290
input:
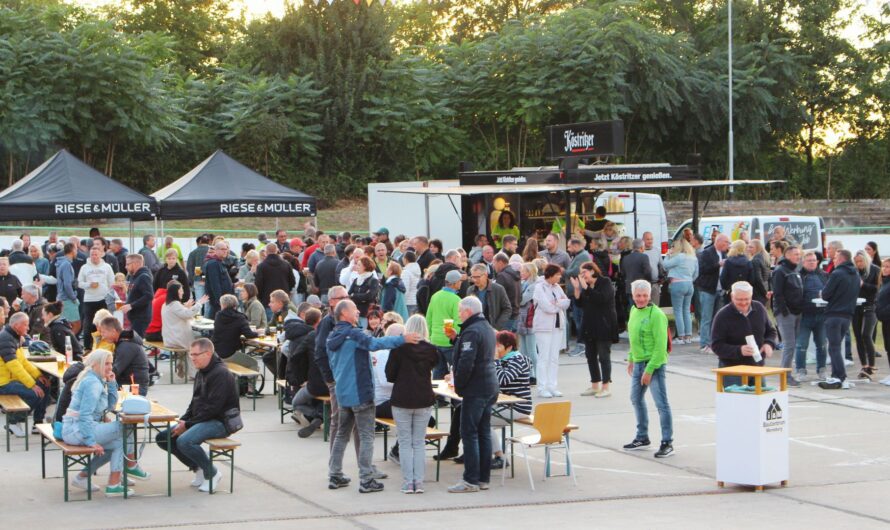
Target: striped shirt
x,y
513,372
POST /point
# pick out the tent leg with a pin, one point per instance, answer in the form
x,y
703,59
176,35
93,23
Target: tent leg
x,y
426,208
131,235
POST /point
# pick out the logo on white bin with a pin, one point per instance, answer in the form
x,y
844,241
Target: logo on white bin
x,y
774,412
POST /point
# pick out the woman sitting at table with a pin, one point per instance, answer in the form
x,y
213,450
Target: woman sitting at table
x,y
228,328
176,329
252,308
513,371
59,329
94,393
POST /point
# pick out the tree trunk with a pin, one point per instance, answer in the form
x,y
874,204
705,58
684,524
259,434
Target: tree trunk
x,y
809,149
11,165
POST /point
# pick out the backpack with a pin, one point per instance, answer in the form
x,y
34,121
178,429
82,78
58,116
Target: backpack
x,y
793,293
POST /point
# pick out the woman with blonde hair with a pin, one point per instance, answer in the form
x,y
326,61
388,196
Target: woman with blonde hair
x,y
528,274
409,367
736,268
760,262
94,394
682,270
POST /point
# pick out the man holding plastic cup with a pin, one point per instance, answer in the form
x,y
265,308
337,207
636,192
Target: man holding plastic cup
x,y
741,333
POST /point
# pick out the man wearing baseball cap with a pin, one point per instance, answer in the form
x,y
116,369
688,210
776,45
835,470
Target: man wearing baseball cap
x,y
383,237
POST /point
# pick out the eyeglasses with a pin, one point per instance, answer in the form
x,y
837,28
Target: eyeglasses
x,y
200,353
476,277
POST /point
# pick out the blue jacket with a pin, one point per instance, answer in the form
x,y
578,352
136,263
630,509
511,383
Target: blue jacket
x,y
474,372
65,275
682,267
91,399
841,291
349,352
140,295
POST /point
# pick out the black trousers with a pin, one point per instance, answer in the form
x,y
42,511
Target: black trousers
x,y
599,360
89,313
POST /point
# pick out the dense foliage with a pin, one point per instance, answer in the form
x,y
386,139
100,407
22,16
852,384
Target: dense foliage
x,y
332,96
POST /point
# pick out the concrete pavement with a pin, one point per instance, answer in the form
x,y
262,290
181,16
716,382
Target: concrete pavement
x,y
840,472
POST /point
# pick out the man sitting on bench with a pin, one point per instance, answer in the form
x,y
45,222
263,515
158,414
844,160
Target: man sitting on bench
x,y
18,377
214,393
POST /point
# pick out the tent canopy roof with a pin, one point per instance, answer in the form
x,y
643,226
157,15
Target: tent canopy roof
x,y
220,186
64,187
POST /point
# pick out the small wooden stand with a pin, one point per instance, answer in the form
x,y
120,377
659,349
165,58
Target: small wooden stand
x,y
752,429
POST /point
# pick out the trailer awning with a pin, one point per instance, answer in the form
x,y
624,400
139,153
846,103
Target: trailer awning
x,y
454,188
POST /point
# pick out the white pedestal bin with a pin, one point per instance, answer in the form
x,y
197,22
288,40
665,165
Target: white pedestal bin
x,y
752,431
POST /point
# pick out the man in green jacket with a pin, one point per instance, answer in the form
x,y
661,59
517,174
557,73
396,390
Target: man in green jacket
x,y
443,306
646,365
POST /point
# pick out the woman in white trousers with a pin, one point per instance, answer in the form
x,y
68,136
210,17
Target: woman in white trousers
x,y
549,325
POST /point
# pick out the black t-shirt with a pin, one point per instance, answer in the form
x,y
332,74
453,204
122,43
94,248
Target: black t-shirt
x,y
10,288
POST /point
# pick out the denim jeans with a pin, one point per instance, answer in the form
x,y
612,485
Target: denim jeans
x,y
810,325
411,428
38,404
199,291
187,446
788,326
528,346
362,418
335,421
475,431
710,303
864,323
835,327
109,435
681,299
306,403
659,395
446,354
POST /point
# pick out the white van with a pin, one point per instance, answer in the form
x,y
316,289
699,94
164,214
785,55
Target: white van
x,y
809,231
648,217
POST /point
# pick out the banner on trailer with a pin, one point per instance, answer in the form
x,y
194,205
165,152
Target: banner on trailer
x,y
595,138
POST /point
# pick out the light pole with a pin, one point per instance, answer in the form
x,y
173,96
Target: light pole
x,y
729,61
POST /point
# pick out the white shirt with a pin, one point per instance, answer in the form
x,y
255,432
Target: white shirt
x,y
101,274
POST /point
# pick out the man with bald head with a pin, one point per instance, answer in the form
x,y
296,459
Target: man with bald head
x,y
710,292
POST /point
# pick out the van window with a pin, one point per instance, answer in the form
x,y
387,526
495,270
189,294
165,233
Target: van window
x,y
806,233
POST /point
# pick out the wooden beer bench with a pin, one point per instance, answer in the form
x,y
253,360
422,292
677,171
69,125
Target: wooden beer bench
x,y
241,371
10,404
159,347
433,438
73,457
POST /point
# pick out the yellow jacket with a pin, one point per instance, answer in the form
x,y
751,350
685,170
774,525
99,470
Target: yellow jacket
x,y
19,369
99,344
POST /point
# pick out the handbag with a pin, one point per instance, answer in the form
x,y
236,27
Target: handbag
x,y
530,316
232,420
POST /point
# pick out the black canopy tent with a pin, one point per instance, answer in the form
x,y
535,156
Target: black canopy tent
x,y
63,187
220,186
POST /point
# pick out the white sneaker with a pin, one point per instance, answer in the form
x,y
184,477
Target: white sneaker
x,y
198,480
848,362
885,381
556,393
81,483
17,430
205,487
545,394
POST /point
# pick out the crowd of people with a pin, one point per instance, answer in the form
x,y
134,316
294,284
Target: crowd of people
x,y
369,320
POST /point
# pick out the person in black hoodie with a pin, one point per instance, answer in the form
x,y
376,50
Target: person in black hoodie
x,y
737,268
58,328
733,323
295,329
306,380
864,319
840,292
228,328
139,295
172,271
272,274
437,281
130,361
214,394
787,304
882,309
